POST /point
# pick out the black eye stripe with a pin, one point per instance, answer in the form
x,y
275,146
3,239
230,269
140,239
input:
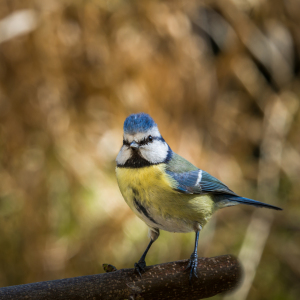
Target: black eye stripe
x,y
126,143
145,141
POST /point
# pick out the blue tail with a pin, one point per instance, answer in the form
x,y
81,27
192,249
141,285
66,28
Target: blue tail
x,y
247,201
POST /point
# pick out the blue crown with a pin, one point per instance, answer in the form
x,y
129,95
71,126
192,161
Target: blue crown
x,y
138,123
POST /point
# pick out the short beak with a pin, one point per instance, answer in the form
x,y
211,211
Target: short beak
x,y
134,145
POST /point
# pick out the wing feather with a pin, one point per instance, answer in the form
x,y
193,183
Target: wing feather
x,y
191,180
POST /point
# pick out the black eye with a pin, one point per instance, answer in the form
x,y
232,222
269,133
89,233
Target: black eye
x,y
150,138
125,143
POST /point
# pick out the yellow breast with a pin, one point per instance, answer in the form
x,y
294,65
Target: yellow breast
x,y
149,193
148,182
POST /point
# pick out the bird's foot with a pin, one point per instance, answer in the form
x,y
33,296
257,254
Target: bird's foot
x,y
193,262
139,267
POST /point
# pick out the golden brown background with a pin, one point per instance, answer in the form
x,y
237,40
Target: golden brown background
x,y
220,78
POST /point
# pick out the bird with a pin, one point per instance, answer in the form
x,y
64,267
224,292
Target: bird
x,y
165,190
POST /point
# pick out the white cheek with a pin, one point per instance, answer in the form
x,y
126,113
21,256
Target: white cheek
x,y
123,155
155,152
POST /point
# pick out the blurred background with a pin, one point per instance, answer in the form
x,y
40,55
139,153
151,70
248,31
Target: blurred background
x,y
220,78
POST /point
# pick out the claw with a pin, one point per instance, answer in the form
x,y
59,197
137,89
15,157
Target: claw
x,y
193,262
139,267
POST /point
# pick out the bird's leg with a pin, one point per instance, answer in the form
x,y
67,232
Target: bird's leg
x,y
141,264
193,261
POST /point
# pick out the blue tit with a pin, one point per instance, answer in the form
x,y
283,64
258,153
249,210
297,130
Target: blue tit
x,y
166,191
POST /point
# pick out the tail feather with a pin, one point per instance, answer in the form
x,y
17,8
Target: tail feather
x,y
247,201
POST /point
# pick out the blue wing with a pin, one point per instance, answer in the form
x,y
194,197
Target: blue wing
x,y
210,184
186,182
191,180
199,182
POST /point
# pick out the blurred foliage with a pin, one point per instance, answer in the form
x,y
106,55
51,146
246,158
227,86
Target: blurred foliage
x,y
208,72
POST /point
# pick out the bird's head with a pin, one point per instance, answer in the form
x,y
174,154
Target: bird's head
x,y
143,144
